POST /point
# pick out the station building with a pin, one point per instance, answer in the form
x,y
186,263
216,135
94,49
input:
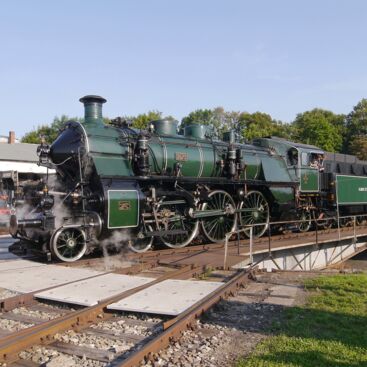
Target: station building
x,y
18,161
20,157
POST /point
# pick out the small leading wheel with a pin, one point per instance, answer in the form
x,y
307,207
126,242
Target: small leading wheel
x,y
257,213
216,228
68,244
179,222
305,217
141,242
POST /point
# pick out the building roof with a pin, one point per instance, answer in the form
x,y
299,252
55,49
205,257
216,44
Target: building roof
x,y
19,152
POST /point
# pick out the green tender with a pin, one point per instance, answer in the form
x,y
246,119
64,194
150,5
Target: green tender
x,y
351,189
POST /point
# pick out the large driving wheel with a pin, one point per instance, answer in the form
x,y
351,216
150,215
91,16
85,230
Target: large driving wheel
x,y
141,242
178,221
306,218
216,228
68,244
257,214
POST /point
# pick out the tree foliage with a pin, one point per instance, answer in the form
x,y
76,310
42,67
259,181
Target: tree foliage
x,y
321,128
219,119
142,120
259,124
48,131
356,127
358,147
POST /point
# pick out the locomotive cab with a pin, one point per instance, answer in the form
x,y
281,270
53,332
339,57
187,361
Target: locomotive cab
x,y
304,162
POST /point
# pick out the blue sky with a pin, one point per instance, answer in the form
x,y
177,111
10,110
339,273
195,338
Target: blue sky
x,y
280,57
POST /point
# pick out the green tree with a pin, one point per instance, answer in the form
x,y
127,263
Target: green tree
x,y
200,116
49,131
358,147
259,124
356,127
218,118
142,120
322,128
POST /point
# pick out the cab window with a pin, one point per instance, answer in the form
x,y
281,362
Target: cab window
x,y
304,159
292,157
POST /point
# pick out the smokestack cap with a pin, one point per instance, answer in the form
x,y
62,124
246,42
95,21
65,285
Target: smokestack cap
x,y
92,98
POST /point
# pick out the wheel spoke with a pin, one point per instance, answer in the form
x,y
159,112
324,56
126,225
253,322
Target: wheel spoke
x,y
182,223
68,244
259,217
216,228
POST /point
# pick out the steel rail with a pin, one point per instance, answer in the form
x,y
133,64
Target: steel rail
x,y
43,333
174,327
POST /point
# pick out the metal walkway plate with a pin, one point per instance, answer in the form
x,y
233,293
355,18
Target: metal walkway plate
x,y
89,292
31,279
18,264
170,297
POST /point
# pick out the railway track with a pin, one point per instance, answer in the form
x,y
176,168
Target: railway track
x,y
94,336
37,331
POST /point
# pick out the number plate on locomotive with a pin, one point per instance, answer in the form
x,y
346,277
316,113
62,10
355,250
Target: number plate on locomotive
x,y
181,156
124,205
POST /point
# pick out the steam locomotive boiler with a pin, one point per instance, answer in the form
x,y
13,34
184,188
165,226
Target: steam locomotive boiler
x,y
133,187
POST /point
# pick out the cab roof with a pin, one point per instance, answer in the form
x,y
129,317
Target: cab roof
x,y
275,141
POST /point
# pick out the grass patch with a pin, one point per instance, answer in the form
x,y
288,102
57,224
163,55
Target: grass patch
x,y
206,274
330,330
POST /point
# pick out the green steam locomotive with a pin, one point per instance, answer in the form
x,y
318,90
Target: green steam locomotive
x,y
123,185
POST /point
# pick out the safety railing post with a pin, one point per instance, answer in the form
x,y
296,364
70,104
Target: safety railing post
x,y
316,232
354,229
225,252
251,244
238,239
269,238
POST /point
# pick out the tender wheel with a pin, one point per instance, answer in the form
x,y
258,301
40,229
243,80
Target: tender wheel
x,y
216,228
360,220
324,222
190,226
141,243
68,244
306,224
346,222
258,213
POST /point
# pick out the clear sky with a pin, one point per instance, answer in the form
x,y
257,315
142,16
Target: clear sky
x,y
280,57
